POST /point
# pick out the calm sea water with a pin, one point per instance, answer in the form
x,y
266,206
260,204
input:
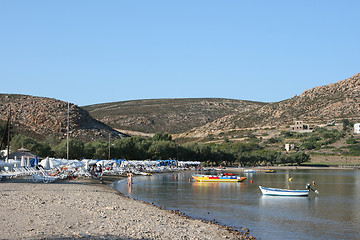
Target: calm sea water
x,y
333,214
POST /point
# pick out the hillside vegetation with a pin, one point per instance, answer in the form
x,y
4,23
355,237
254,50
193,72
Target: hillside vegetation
x,y
168,115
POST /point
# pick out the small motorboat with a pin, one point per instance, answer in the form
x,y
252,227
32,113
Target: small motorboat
x,y
249,171
285,192
218,178
142,173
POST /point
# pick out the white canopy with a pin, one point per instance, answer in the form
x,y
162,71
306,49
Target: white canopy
x,y
105,162
75,164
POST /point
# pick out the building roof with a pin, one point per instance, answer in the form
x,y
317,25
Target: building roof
x,y
19,155
23,150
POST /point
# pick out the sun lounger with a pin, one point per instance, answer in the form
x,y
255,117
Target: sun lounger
x,y
42,178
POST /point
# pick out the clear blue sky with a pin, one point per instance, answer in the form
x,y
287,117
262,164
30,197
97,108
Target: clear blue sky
x,y
89,52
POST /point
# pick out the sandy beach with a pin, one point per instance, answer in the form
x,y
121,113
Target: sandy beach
x,y
89,209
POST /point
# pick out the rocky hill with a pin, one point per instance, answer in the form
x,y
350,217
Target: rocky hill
x,y
317,105
170,115
39,117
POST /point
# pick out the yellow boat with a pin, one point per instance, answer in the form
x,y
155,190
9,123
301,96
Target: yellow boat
x,y
218,178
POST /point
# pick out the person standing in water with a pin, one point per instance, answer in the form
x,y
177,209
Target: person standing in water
x,y
129,175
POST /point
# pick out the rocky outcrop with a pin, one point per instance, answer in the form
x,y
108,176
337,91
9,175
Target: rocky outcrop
x,y
45,116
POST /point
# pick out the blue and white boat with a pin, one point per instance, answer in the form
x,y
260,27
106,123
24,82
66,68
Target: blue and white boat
x,y
249,171
284,192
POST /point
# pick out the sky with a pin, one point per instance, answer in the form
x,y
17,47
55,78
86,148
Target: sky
x,y
91,51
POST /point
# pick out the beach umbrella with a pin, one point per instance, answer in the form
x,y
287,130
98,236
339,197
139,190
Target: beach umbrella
x,y
87,165
36,162
28,162
51,164
45,163
22,162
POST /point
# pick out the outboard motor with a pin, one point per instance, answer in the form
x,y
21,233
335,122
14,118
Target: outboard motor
x,y
308,186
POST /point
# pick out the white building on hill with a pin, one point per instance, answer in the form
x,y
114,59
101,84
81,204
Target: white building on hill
x,y
357,128
300,127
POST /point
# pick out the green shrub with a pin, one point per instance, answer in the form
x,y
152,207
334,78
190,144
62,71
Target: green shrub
x,y
351,141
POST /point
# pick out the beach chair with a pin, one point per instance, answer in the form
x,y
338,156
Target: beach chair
x,y
7,174
43,176
45,179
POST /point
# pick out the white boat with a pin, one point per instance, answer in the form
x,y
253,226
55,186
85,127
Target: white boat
x,y
284,192
249,171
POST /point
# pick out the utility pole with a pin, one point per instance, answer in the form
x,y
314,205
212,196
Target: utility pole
x,y
8,135
109,145
67,135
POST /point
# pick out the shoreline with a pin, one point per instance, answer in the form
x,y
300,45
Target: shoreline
x,y
261,169
92,209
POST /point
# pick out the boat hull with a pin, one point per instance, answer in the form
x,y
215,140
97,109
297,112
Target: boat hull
x,y
284,192
214,178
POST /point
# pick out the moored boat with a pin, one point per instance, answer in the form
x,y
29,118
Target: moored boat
x,y
218,178
284,192
270,171
249,171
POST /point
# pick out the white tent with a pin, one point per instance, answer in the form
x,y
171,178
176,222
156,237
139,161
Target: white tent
x,y
92,162
75,164
105,162
58,162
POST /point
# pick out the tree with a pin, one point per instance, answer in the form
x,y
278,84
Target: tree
x,y
298,157
346,124
101,150
165,136
76,149
41,149
89,150
131,148
186,151
162,150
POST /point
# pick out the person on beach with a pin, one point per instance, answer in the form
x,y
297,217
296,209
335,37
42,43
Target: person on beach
x,y
129,175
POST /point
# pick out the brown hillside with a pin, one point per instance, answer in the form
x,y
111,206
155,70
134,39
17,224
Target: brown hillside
x,y
44,116
321,104
167,115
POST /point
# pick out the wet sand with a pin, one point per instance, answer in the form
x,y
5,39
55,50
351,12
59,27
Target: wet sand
x,y
91,209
